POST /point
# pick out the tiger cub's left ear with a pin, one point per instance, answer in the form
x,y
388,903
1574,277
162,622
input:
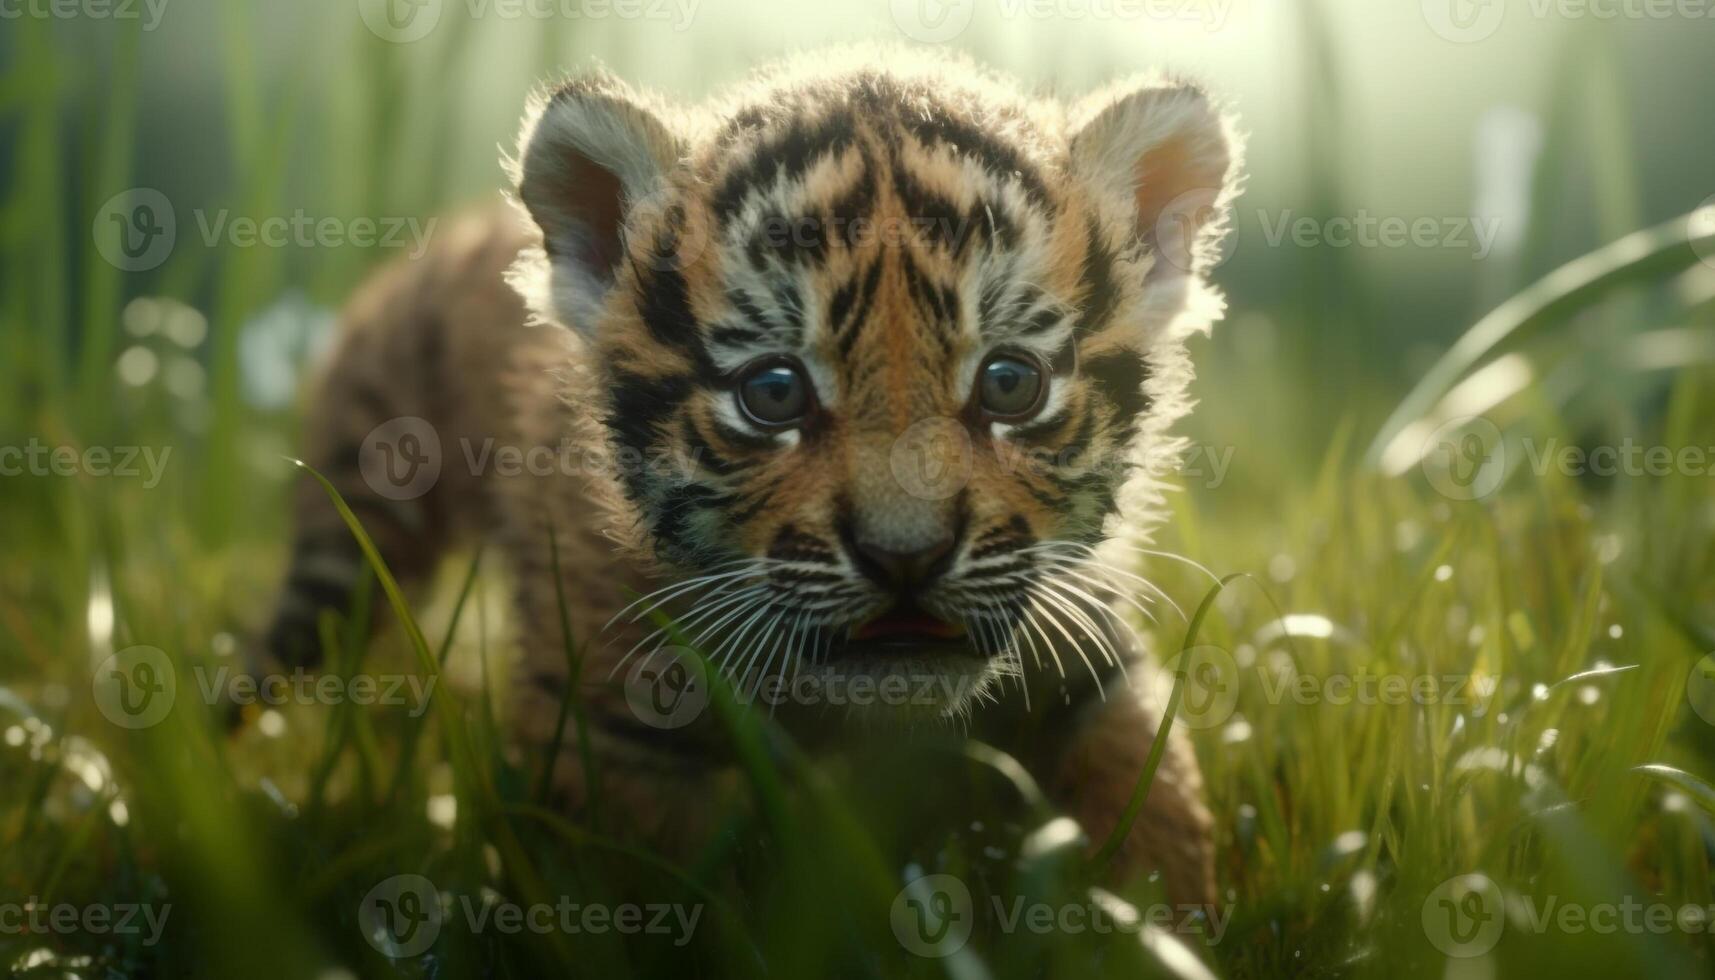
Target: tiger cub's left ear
x,y
1165,157
591,152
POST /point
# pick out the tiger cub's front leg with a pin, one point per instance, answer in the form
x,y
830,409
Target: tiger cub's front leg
x,y
1098,770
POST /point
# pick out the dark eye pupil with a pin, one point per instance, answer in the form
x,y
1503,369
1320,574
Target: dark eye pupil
x,y
1010,386
774,395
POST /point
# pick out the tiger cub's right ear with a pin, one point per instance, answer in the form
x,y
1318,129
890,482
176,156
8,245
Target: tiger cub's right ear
x,y
589,153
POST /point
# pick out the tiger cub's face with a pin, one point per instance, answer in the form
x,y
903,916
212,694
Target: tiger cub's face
x,y
883,344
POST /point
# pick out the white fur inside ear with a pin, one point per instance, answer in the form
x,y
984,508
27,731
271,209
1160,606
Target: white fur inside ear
x,y
609,134
1164,159
588,156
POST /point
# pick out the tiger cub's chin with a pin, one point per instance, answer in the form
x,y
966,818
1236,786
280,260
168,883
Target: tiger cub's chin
x,y
900,684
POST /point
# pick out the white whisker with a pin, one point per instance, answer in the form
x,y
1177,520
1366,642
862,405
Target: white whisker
x,y
1076,646
677,588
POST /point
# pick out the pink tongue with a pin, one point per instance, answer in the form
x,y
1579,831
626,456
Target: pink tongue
x,y
908,625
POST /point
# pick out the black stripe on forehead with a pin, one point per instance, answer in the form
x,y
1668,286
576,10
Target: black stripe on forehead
x,y
849,309
805,232
852,297
787,155
932,216
1000,159
938,301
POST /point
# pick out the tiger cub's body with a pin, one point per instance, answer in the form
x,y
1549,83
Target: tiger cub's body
x,y
738,350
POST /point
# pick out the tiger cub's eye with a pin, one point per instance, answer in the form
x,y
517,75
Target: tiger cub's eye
x,y
1010,386
774,395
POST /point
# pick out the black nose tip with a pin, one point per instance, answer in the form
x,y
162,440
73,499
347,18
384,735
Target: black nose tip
x,y
904,569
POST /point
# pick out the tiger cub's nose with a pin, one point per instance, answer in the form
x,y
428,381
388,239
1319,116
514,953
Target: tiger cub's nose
x,y
900,570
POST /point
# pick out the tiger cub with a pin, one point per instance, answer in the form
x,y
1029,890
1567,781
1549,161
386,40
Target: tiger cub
x,y
854,371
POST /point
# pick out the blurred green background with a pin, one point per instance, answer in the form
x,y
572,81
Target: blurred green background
x,y
1555,131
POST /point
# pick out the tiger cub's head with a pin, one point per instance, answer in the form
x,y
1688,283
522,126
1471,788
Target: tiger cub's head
x,y
886,345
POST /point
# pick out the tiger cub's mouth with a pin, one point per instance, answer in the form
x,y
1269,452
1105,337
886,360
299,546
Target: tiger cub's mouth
x,y
905,627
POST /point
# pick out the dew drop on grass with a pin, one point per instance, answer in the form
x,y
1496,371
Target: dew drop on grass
x,y
1616,631
142,316
271,724
184,378
1443,573
1608,548
1407,535
184,325
443,810
1364,894
1349,843
137,366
